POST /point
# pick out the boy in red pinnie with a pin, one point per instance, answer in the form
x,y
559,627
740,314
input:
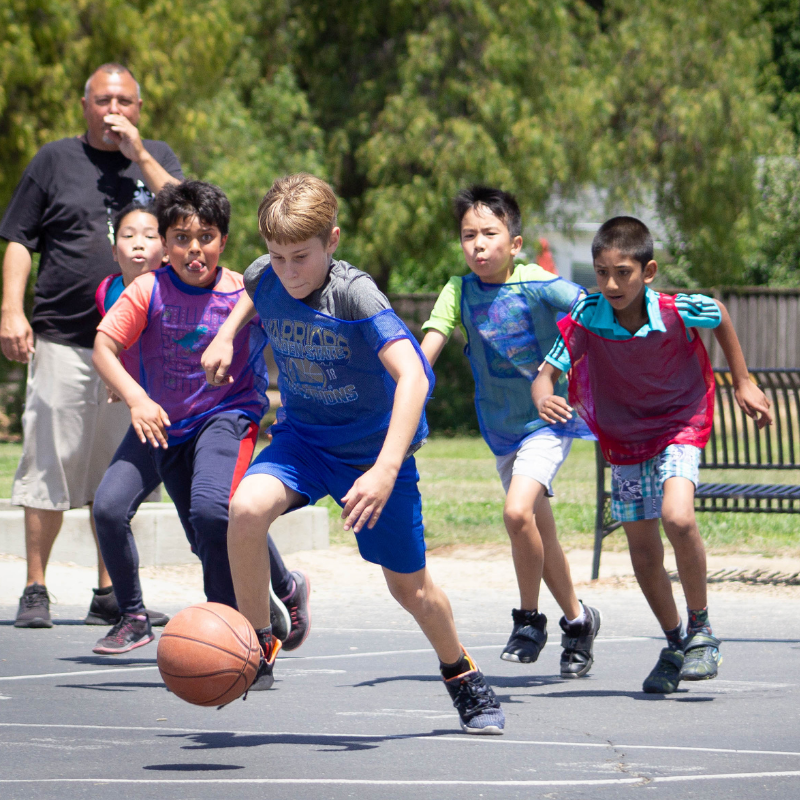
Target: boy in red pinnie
x,y
641,379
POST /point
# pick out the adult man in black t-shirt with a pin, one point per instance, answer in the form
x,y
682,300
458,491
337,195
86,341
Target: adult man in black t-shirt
x,y
63,208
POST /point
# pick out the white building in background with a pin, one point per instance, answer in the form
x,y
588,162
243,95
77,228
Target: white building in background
x,y
574,224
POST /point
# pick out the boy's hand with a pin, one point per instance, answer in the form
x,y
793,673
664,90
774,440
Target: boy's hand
x,y
554,409
216,361
150,422
367,497
753,402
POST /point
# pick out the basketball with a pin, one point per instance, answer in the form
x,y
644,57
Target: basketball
x,y
208,654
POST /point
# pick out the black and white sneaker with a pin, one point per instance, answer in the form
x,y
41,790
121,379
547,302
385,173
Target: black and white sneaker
x,y
477,705
528,637
34,608
278,616
130,632
104,610
578,643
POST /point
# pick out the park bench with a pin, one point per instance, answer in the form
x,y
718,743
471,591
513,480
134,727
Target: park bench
x,y
735,444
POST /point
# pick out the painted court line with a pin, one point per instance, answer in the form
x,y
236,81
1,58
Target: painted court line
x,y
492,741
643,780
282,660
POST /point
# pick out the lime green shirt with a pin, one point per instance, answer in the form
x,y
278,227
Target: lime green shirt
x,y
446,314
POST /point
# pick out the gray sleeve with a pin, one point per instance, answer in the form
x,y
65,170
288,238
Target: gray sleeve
x,y
361,297
253,274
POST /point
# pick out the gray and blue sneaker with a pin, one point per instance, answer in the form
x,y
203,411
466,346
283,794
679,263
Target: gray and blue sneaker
x,y
701,657
666,674
477,705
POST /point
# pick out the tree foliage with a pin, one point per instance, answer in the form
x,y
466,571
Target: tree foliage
x,y
400,103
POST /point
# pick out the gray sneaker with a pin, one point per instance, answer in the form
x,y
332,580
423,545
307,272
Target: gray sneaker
x,y
34,608
577,640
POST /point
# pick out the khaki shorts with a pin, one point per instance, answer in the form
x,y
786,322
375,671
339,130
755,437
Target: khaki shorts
x,y
538,457
70,431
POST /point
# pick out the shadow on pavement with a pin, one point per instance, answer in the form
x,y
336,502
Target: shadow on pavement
x,y
332,743
192,767
117,686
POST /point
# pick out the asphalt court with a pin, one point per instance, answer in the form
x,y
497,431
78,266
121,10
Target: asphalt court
x,y
359,711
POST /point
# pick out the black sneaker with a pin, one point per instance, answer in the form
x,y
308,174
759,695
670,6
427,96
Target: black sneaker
x,y
666,674
297,604
128,634
105,611
578,643
477,705
34,608
278,616
264,677
528,636
700,657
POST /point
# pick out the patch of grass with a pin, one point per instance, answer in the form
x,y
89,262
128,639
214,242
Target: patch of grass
x,y
9,458
463,502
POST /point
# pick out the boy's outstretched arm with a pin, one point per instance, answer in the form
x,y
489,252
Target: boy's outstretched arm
x,y
217,357
551,407
432,345
368,495
149,420
750,398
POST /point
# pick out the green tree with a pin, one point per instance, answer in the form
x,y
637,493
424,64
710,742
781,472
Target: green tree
x,y
683,118
178,50
485,92
775,259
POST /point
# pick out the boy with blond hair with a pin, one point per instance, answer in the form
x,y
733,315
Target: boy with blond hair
x,y
640,377
353,387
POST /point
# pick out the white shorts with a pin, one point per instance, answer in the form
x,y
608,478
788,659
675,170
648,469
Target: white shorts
x,y
538,457
70,431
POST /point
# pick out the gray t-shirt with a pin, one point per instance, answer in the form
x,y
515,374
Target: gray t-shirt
x,y
348,293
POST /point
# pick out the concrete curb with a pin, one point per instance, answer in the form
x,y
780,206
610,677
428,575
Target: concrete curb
x,y
159,534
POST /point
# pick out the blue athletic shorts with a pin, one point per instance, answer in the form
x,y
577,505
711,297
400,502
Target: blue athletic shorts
x,y
396,542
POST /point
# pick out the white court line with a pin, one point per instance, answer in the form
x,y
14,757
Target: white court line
x,y
283,660
489,740
643,780
68,674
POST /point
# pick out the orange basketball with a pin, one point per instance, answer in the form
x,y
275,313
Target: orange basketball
x,y
208,654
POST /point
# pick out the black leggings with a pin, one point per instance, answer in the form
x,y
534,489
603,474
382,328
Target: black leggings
x,y
200,476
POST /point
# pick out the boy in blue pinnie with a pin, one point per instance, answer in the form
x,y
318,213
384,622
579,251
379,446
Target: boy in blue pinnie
x,y
353,385
508,314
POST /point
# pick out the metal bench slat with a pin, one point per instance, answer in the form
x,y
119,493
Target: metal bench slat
x,y
756,491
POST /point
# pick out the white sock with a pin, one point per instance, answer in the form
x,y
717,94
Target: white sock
x,y
580,618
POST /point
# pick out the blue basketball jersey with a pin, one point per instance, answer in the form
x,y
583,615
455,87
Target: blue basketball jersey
x,y
510,328
335,392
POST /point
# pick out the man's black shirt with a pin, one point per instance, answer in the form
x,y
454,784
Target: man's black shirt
x,y
61,209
